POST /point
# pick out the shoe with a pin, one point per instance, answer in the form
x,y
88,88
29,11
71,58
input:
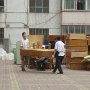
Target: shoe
x,y
23,69
59,73
53,72
29,67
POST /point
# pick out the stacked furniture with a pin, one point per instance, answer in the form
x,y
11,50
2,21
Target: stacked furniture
x,y
88,42
76,50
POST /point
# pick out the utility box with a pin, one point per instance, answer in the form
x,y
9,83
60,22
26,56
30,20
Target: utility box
x,y
18,57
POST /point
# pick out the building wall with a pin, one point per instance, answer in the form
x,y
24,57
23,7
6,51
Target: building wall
x,y
17,14
76,18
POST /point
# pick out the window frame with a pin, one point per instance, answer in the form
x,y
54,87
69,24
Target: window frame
x,y
2,7
74,29
37,7
46,34
1,35
75,6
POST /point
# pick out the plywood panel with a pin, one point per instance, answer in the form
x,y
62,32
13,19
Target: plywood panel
x,y
70,54
35,39
76,66
79,54
88,42
75,60
76,42
77,36
77,48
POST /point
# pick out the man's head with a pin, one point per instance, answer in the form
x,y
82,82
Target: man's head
x,y
24,35
58,38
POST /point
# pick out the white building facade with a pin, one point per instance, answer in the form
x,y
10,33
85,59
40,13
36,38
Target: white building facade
x,y
75,16
47,17
31,16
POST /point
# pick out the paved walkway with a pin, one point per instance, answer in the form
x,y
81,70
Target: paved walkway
x,y
12,78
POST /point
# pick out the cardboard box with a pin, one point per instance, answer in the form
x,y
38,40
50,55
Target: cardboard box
x,y
76,42
77,36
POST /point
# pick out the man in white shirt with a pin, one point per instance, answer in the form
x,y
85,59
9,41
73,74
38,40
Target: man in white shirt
x,y
24,43
60,51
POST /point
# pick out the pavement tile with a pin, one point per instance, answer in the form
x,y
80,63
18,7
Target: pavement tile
x,y
12,78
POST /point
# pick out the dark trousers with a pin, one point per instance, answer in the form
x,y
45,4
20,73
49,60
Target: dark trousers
x,y
58,63
24,61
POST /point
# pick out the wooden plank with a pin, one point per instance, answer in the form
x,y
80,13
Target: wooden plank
x,y
35,39
77,48
76,66
52,37
88,36
74,60
70,54
76,42
77,36
78,54
88,42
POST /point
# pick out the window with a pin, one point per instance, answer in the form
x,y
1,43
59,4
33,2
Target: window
x,y
39,6
75,4
32,31
45,33
71,29
88,4
68,4
83,29
67,29
77,29
88,30
1,35
80,4
1,5
39,31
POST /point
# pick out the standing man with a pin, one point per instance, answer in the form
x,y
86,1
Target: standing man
x,y
60,51
24,43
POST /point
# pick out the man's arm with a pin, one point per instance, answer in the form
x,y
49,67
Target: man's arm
x,y
21,44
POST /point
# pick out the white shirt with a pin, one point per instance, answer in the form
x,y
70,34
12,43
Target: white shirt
x,y
59,46
24,43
